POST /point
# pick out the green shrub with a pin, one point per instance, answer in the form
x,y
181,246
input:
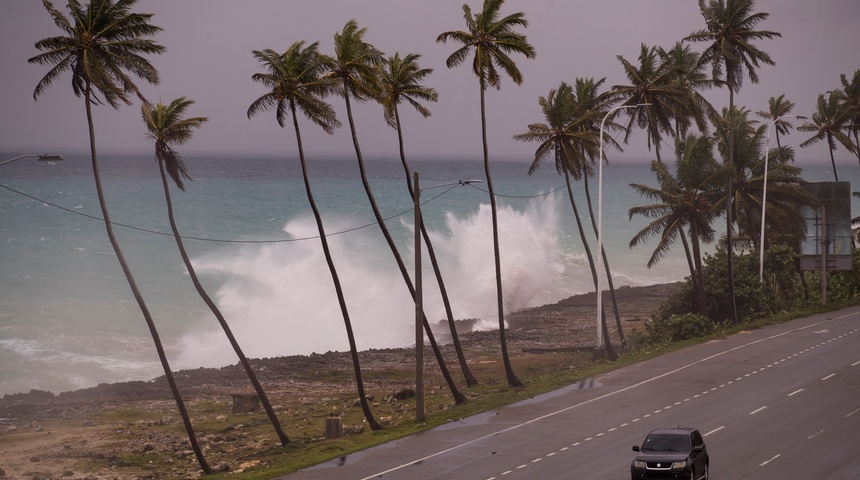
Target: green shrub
x,y
682,327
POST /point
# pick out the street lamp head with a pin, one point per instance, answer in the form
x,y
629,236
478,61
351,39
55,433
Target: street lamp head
x,y
469,181
42,157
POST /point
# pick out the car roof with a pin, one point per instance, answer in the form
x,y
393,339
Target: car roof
x,y
672,431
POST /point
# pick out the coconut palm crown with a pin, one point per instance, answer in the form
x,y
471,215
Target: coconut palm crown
x,y
103,47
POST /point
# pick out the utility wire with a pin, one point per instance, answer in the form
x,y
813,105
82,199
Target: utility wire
x,y
216,240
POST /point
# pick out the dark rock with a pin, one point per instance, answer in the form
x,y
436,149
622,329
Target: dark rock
x,y
404,394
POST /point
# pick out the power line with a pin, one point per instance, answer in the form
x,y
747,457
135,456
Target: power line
x,y
217,240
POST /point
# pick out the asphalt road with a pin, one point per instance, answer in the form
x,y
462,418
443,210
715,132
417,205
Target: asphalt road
x,y
777,402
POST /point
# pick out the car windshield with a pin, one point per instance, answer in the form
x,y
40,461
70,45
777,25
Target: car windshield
x,y
667,443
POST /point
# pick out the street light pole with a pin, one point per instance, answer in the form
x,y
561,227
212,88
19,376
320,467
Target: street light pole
x,y
600,227
764,195
40,156
420,411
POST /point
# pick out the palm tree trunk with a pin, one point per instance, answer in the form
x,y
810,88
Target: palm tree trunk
x,y
605,264
857,140
458,397
689,256
730,206
697,275
264,399
509,370
353,349
150,323
832,160
455,338
610,350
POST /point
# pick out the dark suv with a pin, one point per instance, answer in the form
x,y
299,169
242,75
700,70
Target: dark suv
x,y
676,453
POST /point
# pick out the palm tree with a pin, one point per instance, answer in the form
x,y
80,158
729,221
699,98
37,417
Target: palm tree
x,y
785,194
493,39
778,107
102,45
167,127
566,138
652,83
294,82
355,70
399,80
829,122
591,108
687,75
730,30
852,101
689,199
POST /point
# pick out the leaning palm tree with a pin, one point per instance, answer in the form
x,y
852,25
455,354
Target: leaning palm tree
x,y
399,80
102,44
492,39
689,199
168,127
354,68
591,109
293,80
830,122
778,107
687,74
565,138
730,30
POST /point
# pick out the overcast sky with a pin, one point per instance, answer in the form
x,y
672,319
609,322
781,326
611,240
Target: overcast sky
x,y
208,59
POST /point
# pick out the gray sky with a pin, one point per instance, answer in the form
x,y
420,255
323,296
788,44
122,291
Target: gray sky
x,y
208,60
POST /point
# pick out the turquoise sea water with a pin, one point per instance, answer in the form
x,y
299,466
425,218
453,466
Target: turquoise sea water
x,y
68,320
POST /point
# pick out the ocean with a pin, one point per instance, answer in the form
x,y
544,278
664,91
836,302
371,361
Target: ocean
x,y
68,319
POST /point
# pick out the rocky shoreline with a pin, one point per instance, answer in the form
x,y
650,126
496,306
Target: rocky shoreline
x,y
300,386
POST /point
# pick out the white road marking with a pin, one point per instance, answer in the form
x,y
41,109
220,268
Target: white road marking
x,y
829,376
714,430
795,392
757,410
772,459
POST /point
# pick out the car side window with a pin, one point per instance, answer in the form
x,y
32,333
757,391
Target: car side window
x,y
697,438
